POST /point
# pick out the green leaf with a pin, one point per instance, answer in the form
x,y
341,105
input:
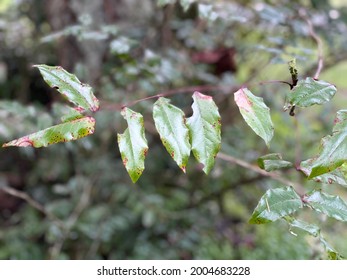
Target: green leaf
x,y
66,113
272,162
309,92
205,130
333,151
71,115
68,85
332,253
309,228
171,125
133,144
64,132
316,232
255,113
337,176
331,205
275,204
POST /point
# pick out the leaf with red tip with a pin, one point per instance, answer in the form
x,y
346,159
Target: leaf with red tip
x,y
255,113
64,132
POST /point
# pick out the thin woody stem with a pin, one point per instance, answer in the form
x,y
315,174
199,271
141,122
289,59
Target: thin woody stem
x,y
33,203
273,175
183,90
319,42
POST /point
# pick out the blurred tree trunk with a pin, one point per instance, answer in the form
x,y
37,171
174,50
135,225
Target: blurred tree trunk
x,y
63,13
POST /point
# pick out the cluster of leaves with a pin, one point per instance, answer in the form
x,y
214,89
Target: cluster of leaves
x,y
190,216
284,201
201,133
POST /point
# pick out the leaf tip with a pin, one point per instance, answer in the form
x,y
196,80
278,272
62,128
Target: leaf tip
x,y
202,96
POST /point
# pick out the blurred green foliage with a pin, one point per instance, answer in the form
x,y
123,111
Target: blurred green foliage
x,y
127,54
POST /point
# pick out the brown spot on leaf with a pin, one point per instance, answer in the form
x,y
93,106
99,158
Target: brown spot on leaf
x,y
79,109
145,152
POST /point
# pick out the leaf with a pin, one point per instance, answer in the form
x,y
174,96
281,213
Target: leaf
x,y
316,232
338,176
171,125
68,85
64,132
272,162
309,228
275,204
133,144
72,114
332,253
205,130
331,205
255,113
333,151
66,113
309,92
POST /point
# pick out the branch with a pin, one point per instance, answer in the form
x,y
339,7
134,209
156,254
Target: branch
x,y
275,82
24,196
183,90
72,219
319,42
203,88
274,175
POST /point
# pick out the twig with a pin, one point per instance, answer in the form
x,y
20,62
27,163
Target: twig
x,y
275,82
203,88
274,175
298,151
183,90
318,40
221,192
71,221
33,203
